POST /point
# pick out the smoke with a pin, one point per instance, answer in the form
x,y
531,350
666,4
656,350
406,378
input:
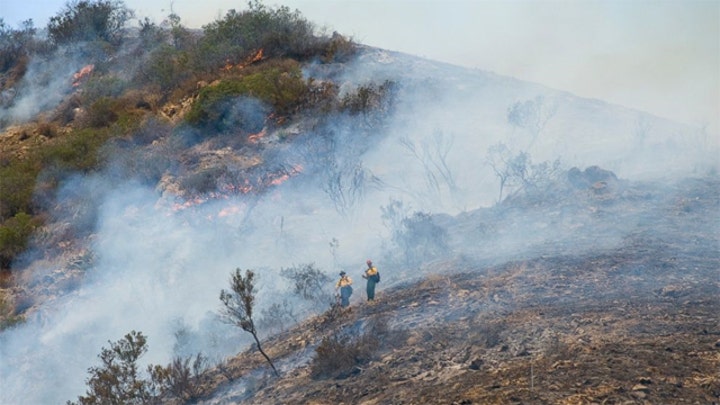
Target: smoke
x,y
159,269
47,81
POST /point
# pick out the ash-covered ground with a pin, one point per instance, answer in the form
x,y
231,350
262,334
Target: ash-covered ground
x,y
636,321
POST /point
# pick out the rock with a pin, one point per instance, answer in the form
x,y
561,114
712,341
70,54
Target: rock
x,y
593,177
639,394
476,364
640,387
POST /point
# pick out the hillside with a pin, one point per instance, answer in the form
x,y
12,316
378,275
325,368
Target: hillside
x,y
637,323
535,246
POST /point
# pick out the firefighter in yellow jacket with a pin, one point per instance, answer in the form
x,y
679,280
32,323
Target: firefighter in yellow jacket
x,y
345,287
373,277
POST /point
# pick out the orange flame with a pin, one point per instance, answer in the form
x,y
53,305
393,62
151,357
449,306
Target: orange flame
x,y
254,138
261,184
82,73
253,58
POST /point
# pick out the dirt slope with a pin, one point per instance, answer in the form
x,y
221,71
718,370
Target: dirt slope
x,y
638,323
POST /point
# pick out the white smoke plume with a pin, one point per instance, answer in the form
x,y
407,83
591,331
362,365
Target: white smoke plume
x,y
160,270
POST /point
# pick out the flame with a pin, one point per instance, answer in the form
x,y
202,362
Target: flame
x,y
82,73
253,58
254,138
248,185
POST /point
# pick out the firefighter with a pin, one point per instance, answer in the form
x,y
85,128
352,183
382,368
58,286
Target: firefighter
x,y
345,287
373,277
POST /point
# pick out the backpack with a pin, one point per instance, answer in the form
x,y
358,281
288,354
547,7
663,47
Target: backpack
x,y
377,277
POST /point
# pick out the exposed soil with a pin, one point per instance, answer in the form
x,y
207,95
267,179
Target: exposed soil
x,y
638,323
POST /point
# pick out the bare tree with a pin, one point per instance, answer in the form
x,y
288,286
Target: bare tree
x,y
517,170
309,283
239,304
433,156
532,115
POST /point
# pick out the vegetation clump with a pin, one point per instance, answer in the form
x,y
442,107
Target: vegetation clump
x,y
239,304
340,354
228,104
119,380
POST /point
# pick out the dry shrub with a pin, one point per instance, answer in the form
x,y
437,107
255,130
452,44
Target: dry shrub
x,y
340,355
47,129
8,318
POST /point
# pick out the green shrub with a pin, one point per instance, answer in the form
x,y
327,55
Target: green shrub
x,y
8,318
279,32
369,98
14,235
102,86
96,20
102,113
15,45
17,182
338,49
166,67
77,150
284,90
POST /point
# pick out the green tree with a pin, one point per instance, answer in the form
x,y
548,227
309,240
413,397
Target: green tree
x,y
15,44
239,305
84,20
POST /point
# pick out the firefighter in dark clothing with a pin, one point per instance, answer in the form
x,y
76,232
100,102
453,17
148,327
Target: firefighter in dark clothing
x,y
373,277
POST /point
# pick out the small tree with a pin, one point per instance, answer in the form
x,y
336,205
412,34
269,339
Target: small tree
x,y
181,378
532,115
98,20
117,380
239,304
516,170
308,282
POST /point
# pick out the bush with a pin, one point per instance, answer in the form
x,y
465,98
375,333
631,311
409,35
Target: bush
x,y
284,90
76,151
338,49
180,379
8,318
102,86
278,316
369,98
102,113
166,67
14,234
97,20
339,355
309,283
15,45
416,236
17,183
117,380
278,32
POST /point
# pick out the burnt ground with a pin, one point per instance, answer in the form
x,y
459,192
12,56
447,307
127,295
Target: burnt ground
x,y
638,323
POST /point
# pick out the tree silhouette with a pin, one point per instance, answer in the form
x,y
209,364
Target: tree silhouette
x,y
238,306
